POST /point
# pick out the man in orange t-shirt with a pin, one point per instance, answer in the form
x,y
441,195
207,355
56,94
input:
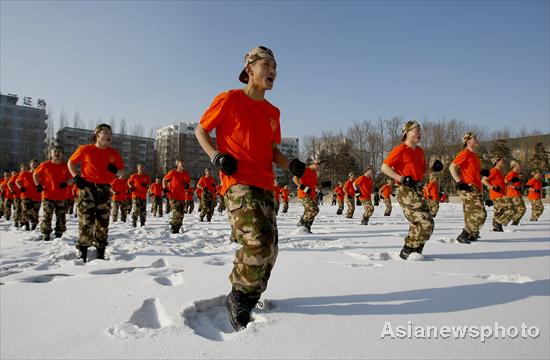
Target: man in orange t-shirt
x,y
277,194
176,184
466,171
189,201
364,185
503,205
99,165
139,184
349,191
221,206
52,179
207,184
385,193
535,194
120,197
307,193
432,194
513,191
16,193
6,195
1,197
285,194
156,197
30,197
247,133
339,192
406,164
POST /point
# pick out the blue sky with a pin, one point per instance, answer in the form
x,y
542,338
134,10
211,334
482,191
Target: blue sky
x,y
158,63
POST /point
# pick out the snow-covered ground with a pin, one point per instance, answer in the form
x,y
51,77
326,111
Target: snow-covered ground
x,y
341,292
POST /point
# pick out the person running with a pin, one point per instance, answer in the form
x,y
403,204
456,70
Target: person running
x,y
156,197
2,180
52,179
120,197
504,207
535,194
432,194
221,206
285,195
307,193
189,201
349,191
277,194
199,192
70,198
30,197
514,191
406,164
385,193
139,184
175,185
99,164
364,189
247,133
16,194
208,186
7,196
339,194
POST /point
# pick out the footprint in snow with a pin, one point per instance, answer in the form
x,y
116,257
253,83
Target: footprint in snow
x,y
148,320
42,279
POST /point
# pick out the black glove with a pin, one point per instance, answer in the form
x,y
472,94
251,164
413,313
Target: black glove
x,y
497,189
437,166
409,181
304,188
514,179
357,194
63,185
185,186
527,186
80,182
39,188
392,194
226,163
165,190
537,191
132,189
144,184
358,202
112,168
296,167
22,189
463,186
12,192
485,172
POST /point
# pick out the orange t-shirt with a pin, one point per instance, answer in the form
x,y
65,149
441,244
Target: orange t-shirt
x,y
139,182
470,167
188,196
176,184
5,189
94,161
510,189
120,187
496,179
156,189
534,185
309,179
339,193
26,181
285,194
386,191
407,161
207,183
277,192
247,130
12,187
432,190
348,188
50,176
364,184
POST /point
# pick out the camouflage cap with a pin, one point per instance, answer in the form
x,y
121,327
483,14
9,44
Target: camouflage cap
x,y
514,163
467,136
259,52
100,127
408,126
495,159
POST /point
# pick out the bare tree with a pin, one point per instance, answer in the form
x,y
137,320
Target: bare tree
x,y
122,128
393,127
358,135
62,120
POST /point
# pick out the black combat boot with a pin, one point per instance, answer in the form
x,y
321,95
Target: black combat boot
x,y
83,253
386,214
515,223
464,237
134,223
175,229
27,226
58,234
405,252
33,227
497,227
46,237
364,221
143,223
239,305
419,249
100,253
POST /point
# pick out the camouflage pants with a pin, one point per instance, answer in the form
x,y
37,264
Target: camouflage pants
x,y
536,209
140,209
59,207
350,203
340,207
285,206
30,211
156,206
189,206
17,210
277,206
504,210
417,212
387,203
221,206
178,211
434,206
368,208
121,206
93,207
311,209
207,205
251,212
519,208
474,211
8,203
